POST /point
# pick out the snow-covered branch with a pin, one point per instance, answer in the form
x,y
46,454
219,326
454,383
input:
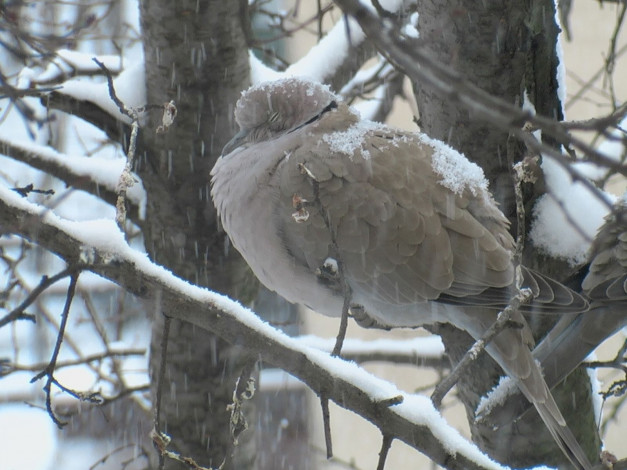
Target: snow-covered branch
x,y
93,175
425,351
413,59
411,418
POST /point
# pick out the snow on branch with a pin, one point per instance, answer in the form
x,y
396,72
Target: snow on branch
x,y
411,418
426,351
94,175
68,63
129,86
91,101
412,58
329,58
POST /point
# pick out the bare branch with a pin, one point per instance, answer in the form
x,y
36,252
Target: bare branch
x,y
326,420
18,312
50,368
386,443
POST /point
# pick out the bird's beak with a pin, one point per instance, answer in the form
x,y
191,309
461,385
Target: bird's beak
x,y
237,140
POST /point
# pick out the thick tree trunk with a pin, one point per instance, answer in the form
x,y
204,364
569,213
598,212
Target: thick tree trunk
x,y
505,48
196,55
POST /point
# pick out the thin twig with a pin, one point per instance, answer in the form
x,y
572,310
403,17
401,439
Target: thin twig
x,y
126,178
502,321
49,370
83,360
104,459
161,375
326,420
383,453
18,312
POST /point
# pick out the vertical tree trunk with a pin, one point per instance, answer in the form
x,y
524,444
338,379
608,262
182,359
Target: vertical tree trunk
x,y
505,48
196,54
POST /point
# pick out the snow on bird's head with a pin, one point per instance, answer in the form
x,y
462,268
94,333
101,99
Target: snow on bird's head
x,y
282,104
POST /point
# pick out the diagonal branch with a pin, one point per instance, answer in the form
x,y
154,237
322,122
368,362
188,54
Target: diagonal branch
x,y
414,421
92,175
412,58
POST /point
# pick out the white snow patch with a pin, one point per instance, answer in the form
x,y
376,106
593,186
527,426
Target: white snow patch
x,y
496,396
457,172
566,220
411,28
260,72
129,87
323,59
561,67
352,139
420,410
102,171
330,53
422,346
28,437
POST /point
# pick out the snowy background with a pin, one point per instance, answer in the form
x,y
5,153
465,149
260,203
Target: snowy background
x,y
34,442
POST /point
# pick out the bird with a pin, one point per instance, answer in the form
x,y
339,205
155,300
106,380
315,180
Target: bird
x,y
605,285
574,337
325,207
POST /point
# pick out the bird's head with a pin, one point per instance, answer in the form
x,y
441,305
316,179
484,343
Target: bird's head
x,y
271,109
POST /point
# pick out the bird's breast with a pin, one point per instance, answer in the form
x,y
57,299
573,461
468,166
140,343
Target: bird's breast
x,y
250,205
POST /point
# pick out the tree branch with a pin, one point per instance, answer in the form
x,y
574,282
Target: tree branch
x,y
81,173
414,421
411,57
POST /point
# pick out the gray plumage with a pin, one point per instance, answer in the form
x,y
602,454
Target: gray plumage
x,y
307,191
573,339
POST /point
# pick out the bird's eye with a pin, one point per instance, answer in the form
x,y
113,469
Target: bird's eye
x,y
273,117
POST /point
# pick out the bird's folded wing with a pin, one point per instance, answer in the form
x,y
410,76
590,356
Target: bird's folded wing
x,y
398,232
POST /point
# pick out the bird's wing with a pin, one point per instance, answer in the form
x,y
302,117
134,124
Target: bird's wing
x,y
606,280
574,337
380,209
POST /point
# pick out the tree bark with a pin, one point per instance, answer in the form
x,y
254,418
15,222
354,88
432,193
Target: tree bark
x,y
196,54
504,48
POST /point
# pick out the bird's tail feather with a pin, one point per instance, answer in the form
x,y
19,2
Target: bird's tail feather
x,y
514,356
556,424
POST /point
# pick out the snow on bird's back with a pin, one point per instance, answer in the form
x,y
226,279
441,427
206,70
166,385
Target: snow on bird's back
x,y
457,172
352,139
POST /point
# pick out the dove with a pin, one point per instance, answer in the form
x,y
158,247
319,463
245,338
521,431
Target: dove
x,y
605,285
325,206
574,337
